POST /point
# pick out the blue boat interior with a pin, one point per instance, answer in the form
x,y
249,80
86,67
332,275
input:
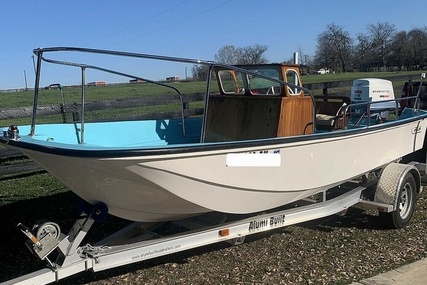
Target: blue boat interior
x,y
142,134
122,134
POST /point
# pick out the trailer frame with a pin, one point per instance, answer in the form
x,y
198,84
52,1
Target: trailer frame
x,y
138,241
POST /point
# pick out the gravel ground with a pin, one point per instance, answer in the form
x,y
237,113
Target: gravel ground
x,y
334,250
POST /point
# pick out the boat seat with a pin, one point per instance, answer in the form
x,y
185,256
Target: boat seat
x,y
329,115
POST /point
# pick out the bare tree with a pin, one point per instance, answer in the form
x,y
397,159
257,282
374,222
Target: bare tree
x,y
200,72
228,54
381,36
401,55
246,55
303,58
253,55
324,54
305,61
379,47
334,47
417,46
363,52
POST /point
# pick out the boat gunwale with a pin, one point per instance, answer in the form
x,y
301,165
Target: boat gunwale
x,y
108,152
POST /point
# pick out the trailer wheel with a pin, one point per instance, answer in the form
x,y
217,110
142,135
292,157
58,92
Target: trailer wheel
x,y
406,200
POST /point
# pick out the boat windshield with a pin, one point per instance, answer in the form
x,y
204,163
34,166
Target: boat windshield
x,y
232,82
293,78
264,86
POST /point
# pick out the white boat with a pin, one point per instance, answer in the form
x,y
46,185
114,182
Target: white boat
x,y
263,141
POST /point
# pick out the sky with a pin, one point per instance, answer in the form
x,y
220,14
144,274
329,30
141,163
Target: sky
x,y
183,28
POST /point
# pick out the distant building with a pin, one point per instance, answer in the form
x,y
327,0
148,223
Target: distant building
x,y
97,83
172,78
136,81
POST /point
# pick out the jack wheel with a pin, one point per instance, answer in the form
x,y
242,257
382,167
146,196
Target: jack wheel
x,y
406,200
44,228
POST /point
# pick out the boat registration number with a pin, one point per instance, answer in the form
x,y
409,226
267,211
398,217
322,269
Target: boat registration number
x,y
254,159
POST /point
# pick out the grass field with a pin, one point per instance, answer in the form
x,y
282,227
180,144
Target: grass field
x,y
134,91
109,92
126,92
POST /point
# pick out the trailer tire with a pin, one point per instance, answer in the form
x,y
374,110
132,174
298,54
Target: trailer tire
x,y
406,200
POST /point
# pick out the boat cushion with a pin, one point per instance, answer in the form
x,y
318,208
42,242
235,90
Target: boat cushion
x,y
330,115
325,120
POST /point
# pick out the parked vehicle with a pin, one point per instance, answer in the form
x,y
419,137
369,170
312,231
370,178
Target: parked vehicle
x,y
323,71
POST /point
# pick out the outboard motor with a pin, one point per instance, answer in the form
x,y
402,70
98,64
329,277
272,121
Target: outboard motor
x,y
378,92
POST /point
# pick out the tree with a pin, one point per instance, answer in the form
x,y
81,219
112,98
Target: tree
x,y
334,48
417,46
305,61
245,55
303,58
200,72
253,55
228,54
381,36
324,54
401,55
364,57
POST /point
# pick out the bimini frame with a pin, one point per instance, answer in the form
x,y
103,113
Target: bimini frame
x,y
40,54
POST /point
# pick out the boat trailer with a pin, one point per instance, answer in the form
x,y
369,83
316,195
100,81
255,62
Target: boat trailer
x,y
392,193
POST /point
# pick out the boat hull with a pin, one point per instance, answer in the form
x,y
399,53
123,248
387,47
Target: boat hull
x,y
177,183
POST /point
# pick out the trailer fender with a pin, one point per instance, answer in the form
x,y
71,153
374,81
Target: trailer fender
x,y
399,186
391,180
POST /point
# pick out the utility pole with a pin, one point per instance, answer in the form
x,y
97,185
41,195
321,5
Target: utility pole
x,y
25,78
34,64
